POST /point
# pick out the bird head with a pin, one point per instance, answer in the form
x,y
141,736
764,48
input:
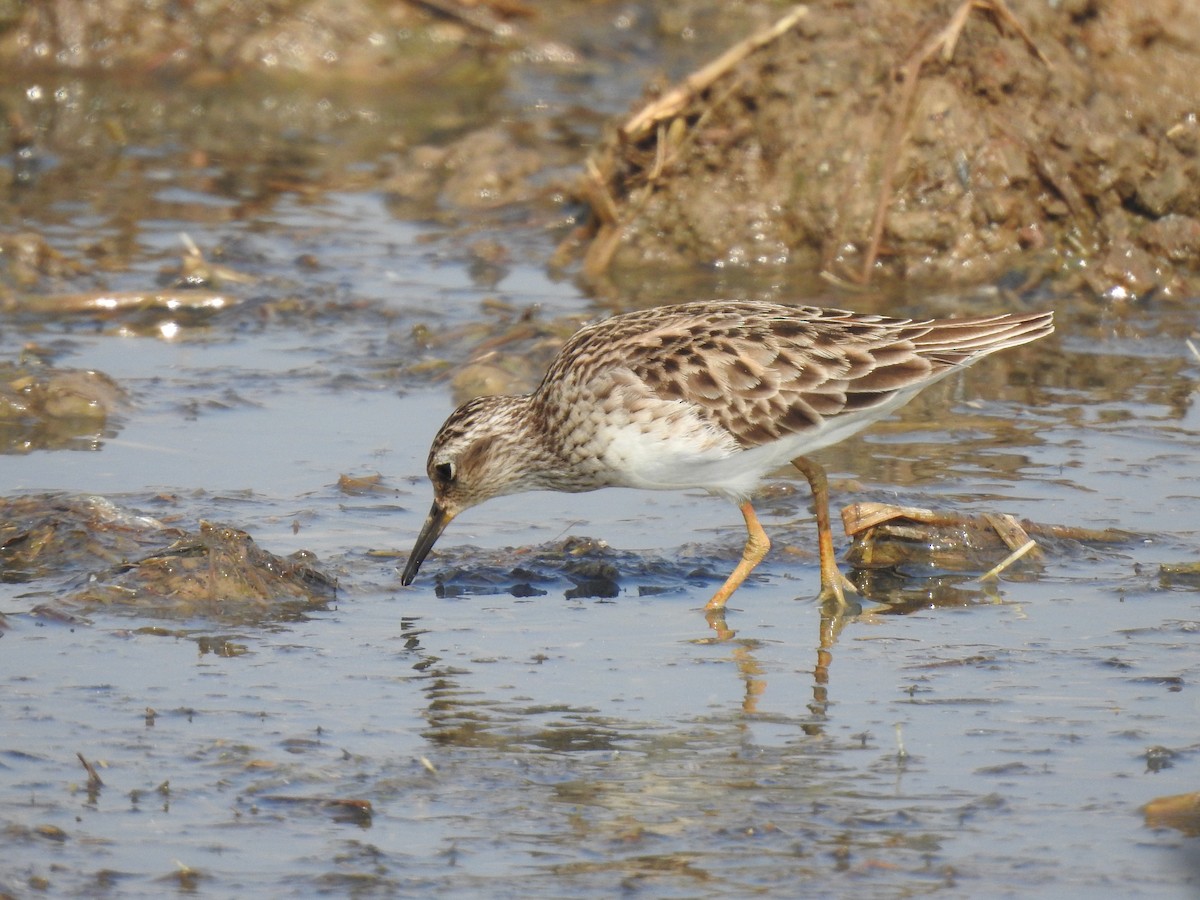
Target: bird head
x,y
476,455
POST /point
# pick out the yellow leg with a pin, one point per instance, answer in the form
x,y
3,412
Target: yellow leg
x,y
833,583
757,545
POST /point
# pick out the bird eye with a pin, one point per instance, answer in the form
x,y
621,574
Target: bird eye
x,y
444,471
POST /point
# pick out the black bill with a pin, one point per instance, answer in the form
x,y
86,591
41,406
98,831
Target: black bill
x,y
434,525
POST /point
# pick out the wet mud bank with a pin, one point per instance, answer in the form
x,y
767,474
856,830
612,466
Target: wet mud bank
x,y
947,142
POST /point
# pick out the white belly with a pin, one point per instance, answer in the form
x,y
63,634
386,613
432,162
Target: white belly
x,y
682,450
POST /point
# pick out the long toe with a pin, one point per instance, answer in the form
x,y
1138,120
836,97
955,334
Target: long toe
x,y
834,588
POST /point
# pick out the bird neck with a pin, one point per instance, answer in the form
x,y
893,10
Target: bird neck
x,y
521,453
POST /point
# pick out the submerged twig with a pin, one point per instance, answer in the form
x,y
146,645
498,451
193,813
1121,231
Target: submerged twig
x,y
994,571
94,780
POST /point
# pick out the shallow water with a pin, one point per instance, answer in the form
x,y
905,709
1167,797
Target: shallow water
x,y
552,745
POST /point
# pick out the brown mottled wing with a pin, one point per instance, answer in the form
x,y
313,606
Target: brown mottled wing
x,y
761,370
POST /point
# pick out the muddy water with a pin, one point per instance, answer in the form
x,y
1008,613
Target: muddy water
x,y
474,740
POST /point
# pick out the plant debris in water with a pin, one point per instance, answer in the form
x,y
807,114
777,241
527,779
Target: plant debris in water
x,y
582,568
48,408
217,572
48,535
136,563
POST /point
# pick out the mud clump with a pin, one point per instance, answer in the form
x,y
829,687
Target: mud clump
x,y
48,408
217,572
952,142
87,554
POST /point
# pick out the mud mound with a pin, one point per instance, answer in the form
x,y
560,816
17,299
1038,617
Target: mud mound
x,y
954,141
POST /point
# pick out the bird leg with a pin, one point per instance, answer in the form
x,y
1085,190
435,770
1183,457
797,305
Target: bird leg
x,y
833,583
757,545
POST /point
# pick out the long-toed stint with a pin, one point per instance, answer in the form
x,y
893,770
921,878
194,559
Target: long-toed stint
x,y
711,395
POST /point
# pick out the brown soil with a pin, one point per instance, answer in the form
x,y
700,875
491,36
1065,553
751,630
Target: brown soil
x,y
873,138
955,141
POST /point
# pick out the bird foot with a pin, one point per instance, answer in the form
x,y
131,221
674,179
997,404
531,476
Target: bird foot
x,y
834,588
716,621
